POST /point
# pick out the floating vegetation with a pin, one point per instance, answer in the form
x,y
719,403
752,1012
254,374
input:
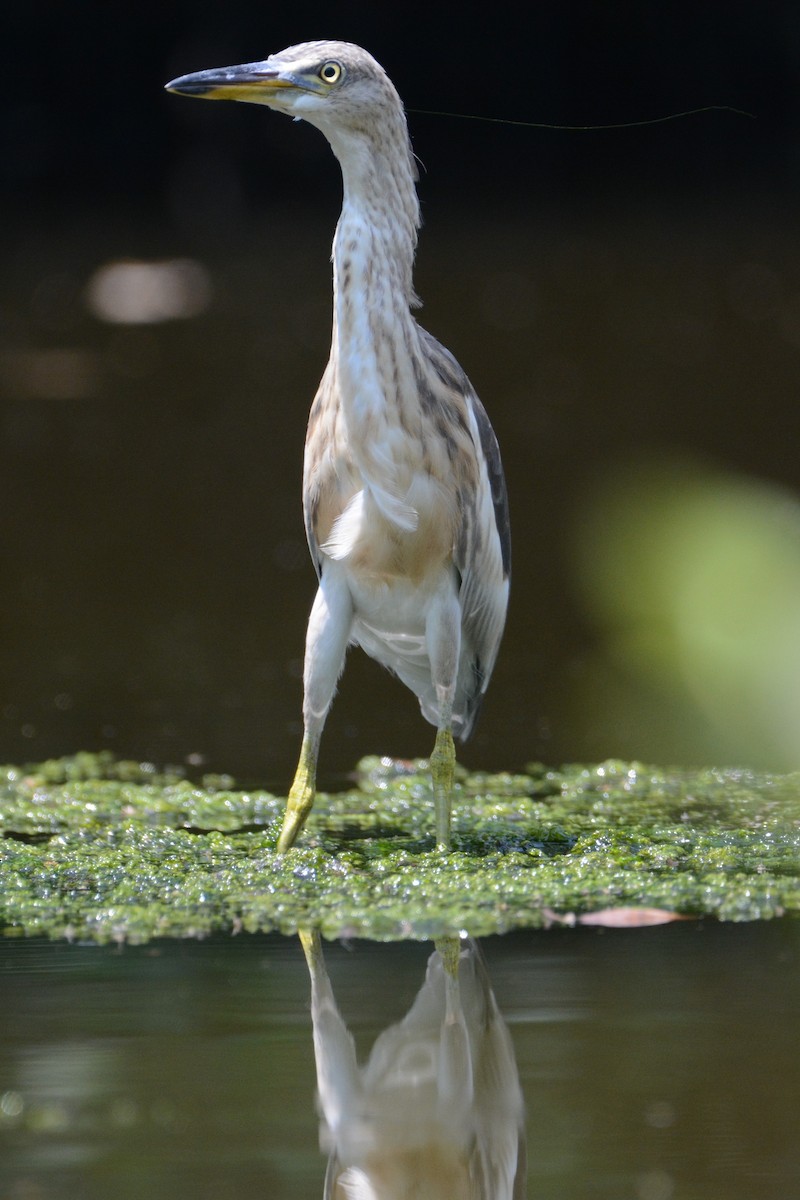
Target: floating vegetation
x,y
93,848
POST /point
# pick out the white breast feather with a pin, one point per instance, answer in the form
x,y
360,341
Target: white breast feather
x,y
346,529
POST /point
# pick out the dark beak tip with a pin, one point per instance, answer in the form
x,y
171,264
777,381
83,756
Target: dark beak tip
x,y
185,85
200,83
191,85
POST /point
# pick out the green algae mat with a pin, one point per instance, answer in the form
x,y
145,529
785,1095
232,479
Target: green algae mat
x,y
97,849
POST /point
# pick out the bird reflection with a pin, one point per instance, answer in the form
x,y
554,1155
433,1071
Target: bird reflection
x,y
436,1112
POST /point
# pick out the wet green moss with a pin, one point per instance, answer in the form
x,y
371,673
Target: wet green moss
x,y
95,848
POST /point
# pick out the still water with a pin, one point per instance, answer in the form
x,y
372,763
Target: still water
x,y
654,1064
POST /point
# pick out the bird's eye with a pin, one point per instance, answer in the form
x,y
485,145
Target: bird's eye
x,y
331,72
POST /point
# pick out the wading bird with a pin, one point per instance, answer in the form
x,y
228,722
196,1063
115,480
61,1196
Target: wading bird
x,y
403,490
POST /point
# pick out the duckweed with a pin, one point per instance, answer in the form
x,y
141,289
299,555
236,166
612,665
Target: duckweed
x,y
94,848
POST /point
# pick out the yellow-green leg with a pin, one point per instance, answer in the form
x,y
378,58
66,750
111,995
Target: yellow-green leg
x,y
443,773
312,948
449,948
301,794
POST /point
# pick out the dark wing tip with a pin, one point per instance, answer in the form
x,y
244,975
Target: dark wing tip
x,y
497,482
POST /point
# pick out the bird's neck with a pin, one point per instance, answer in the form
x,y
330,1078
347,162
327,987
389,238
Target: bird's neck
x,y
374,335
376,238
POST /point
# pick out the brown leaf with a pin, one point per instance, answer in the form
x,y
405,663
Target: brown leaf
x,y
631,917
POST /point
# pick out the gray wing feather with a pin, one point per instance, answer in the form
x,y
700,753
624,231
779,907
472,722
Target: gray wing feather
x,y
497,481
482,550
483,560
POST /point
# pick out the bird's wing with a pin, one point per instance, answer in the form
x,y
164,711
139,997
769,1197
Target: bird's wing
x,y
483,559
482,542
320,442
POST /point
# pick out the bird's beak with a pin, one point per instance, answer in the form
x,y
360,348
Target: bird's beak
x,y
256,82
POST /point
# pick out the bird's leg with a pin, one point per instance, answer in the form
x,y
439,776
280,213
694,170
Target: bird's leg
x,y
449,948
443,640
312,948
326,643
301,794
443,770
339,1083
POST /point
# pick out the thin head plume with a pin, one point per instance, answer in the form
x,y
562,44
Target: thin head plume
x,y
676,116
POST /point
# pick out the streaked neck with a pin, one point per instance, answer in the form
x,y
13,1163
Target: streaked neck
x,y
376,237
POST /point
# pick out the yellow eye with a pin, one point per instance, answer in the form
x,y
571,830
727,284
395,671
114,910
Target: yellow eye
x,y
330,72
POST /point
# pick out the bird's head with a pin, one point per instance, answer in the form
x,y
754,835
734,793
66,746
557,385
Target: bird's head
x,y
333,85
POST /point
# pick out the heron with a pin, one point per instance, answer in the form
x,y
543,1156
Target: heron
x,y
404,497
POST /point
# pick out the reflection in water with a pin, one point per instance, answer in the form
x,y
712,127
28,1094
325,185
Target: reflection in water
x,y
660,1064
437,1110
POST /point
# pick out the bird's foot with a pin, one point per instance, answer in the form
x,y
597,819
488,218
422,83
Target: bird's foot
x,y
443,773
300,799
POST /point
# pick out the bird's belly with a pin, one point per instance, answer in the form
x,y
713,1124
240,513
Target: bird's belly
x,y
390,622
378,552
394,606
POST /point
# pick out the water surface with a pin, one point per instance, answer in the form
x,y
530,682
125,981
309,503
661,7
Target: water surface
x,y
654,1063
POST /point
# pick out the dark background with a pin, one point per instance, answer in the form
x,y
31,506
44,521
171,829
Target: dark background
x,y
85,122
610,293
